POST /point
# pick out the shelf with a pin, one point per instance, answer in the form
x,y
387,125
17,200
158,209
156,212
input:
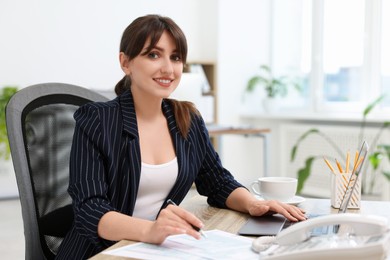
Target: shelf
x,y
208,106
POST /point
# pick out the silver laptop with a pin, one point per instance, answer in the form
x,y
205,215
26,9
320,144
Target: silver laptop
x,y
272,225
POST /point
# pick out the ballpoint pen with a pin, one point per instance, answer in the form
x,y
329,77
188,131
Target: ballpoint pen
x,y
169,201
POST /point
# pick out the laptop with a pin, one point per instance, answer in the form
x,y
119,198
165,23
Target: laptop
x,y
272,225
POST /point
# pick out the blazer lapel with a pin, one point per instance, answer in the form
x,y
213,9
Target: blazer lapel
x,y
130,132
128,112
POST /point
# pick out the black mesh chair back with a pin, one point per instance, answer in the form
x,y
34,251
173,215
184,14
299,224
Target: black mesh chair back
x,y
40,129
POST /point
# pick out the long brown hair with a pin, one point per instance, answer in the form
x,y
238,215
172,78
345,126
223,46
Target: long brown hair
x,y
133,40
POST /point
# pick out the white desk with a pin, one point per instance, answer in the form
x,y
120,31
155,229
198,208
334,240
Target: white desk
x,y
231,221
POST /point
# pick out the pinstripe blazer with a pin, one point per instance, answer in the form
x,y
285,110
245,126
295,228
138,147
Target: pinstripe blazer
x,y
105,167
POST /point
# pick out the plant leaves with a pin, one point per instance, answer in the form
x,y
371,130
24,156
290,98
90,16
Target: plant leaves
x,y
5,94
254,81
300,139
266,68
371,106
375,159
293,152
386,148
274,85
386,174
304,173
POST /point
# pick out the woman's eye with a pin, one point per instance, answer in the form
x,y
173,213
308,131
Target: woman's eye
x,y
176,58
153,55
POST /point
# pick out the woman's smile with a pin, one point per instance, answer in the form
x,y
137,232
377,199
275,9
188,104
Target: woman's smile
x,y
165,82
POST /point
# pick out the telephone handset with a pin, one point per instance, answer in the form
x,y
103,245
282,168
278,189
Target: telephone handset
x,y
362,225
367,237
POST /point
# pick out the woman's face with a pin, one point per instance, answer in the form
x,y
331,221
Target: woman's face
x,y
158,72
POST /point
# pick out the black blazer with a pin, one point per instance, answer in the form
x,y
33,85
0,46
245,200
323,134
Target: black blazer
x,y
105,167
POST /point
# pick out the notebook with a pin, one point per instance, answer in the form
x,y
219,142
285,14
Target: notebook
x,y
272,225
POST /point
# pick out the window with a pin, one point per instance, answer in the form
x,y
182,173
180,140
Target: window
x,y
385,53
343,50
340,49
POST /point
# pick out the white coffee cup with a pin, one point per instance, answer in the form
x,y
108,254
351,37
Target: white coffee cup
x,y
275,188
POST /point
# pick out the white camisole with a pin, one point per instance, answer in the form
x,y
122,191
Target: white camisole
x,y
155,184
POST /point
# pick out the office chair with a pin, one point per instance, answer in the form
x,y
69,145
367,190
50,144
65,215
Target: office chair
x,y
40,129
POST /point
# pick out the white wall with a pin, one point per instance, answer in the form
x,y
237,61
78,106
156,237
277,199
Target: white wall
x,y
243,34
77,42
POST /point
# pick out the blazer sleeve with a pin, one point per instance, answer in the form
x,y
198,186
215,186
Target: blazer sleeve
x,y
87,182
213,180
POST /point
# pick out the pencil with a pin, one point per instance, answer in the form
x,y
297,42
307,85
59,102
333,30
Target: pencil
x,y
356,158
355,167
329,165
347,163
339,166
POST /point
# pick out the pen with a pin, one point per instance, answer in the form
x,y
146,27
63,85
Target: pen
x,y
169,201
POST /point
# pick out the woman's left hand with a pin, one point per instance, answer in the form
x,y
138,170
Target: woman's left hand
x,y
242,200
266,207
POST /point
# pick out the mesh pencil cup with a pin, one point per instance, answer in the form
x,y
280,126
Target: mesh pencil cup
x,y
339,183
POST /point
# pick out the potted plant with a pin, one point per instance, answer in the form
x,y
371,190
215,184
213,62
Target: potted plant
x,y
274,86
5,95
377,153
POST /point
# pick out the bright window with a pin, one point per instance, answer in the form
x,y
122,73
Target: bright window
x,y
341,50
385,53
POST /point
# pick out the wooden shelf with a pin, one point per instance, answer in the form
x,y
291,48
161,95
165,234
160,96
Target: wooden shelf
x,y
211,89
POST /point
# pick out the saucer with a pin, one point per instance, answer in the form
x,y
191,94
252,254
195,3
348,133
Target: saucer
x,y
294,201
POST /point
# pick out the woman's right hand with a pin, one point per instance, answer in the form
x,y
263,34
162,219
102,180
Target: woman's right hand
x,y
172,220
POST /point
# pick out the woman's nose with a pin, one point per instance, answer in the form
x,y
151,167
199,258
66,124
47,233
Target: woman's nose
x,y
167,66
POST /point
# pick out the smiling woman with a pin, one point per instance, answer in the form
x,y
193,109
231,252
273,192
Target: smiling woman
x,y
143,149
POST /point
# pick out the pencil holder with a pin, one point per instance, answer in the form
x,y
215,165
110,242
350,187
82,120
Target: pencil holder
x,y
339,184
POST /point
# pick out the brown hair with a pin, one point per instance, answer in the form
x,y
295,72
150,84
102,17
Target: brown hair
x,y
132,42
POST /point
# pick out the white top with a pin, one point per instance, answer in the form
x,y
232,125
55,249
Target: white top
x,y
155,184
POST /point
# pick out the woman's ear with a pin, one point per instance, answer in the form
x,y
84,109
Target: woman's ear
x,y
125,63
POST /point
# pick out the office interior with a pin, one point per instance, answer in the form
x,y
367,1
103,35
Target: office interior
x,y
77,42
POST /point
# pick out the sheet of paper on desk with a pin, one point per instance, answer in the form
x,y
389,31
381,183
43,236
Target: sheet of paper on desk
x,y
217,245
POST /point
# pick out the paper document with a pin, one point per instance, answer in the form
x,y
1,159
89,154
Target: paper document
x,y
217,245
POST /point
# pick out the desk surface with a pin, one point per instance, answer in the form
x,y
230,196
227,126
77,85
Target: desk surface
x,y
231,221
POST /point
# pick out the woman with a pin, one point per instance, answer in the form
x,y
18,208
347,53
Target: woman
x,y
130,155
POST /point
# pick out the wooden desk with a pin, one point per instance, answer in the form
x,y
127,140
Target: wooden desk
x,y
218,131
231,221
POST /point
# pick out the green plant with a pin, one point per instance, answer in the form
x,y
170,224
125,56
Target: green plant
x,y
5,95
273,85
376,155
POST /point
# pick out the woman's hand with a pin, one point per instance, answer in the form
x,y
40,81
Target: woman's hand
x,y
265,207
172,220
242,200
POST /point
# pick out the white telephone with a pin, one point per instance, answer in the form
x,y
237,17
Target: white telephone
x,y
358,237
